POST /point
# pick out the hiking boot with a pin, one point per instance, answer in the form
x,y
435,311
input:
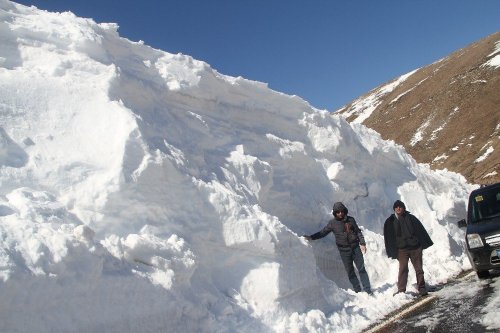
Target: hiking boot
x,y
423,292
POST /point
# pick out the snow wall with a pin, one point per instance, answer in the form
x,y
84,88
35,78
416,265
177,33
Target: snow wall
x,y
145,191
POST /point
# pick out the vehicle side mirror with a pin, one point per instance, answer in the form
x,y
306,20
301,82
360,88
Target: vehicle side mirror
x,y
462,223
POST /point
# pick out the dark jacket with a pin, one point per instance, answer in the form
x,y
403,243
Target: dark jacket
x,y
347,233
415,229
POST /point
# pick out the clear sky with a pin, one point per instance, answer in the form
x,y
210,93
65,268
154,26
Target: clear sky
x,y
326,51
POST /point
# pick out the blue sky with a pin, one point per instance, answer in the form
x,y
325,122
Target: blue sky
x,y
326,51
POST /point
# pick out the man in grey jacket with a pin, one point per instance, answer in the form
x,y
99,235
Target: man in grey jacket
x,y
351,245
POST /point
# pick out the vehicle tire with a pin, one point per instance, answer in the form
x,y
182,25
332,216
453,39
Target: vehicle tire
x,y
483,274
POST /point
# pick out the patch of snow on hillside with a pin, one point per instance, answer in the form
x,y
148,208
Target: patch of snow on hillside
x,y
485,155
406,92
491,174
419,134
364,107
495,61
435,132
440,158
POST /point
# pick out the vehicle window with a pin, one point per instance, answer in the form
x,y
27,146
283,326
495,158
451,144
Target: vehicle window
x,y
486,204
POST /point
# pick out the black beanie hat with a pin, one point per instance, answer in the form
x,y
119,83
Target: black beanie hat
x,y
398,203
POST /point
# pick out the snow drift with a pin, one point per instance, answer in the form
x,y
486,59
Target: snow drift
x,y
145,191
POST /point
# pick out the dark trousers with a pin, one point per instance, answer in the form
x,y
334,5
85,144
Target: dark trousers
x,y
355,255
416,259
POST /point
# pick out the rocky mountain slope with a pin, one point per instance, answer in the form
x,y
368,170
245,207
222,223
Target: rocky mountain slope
x,y
446,114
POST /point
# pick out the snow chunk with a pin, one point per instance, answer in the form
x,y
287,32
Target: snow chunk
x,y
163,261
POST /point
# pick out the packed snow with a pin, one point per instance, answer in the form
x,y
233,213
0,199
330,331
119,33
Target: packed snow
x,y
143,191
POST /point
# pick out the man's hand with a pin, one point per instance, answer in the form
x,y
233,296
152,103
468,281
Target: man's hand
x,y
307,237
363,248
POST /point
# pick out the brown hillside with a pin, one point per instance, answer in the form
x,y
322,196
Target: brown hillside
x,y
446,114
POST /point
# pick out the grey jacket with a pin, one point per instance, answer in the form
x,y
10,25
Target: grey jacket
x,y
347,233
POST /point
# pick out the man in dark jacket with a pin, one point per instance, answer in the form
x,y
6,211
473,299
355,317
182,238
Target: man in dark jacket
x,y
405,238
351,245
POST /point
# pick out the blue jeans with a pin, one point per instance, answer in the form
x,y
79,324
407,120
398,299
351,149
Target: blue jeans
x,y
350,256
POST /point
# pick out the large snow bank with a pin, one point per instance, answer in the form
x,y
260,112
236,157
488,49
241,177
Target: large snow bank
x,y
145,191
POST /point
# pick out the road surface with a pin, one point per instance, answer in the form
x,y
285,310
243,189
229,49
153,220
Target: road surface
x,y
457,307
